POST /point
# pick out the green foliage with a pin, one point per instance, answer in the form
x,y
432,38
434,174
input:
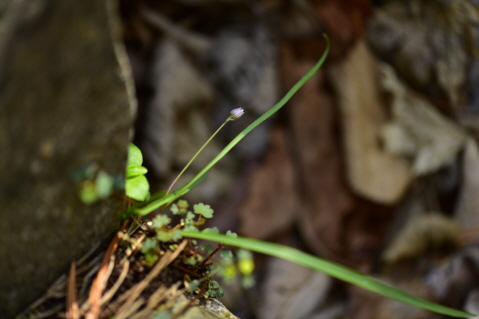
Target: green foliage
x,y
95,184
160,221
214,290
136,184
204,210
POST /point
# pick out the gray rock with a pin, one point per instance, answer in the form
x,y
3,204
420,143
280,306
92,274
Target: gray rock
x,y
65,104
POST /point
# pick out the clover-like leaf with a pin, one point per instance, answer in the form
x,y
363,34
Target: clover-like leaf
x,y
137,187
160,221
183,204
204,210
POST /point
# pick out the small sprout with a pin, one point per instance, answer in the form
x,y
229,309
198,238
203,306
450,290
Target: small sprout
x,y
231,234
236,114
168,235
160,221
136,184
204,210
183,204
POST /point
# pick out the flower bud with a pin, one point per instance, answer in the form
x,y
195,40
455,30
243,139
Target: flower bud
x,y
236,114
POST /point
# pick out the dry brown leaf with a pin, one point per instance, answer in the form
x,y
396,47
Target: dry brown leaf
x,y
372,173
423,234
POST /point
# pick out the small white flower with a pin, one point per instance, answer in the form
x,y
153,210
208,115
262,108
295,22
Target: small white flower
x,y
236,114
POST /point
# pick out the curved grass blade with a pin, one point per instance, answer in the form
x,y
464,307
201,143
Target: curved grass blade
x,y
186,188
330,268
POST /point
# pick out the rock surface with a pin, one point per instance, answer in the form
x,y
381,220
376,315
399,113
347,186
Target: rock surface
x,y
65,104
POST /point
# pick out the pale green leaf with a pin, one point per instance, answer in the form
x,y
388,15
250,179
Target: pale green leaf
x,y
137,187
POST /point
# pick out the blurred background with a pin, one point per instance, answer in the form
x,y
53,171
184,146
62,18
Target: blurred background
x,y
374,164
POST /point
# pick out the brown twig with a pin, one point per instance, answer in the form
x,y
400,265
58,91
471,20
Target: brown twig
x,y
97,287
72,303
212,254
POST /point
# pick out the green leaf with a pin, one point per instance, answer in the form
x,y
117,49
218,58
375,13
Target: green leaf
x,y
135,158
204,210
330,268
149,244
160,221
133,171
137,188
103,185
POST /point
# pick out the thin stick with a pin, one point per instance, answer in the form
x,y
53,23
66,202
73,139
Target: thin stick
x,y
72,304
193,158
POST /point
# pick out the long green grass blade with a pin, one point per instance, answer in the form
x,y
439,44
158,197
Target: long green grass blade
x,y
183,190
330,268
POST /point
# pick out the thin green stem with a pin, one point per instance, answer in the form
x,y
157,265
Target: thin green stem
x,y
194,157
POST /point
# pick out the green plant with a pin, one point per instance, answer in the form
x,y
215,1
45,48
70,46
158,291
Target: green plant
x,y
188,226
136,184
